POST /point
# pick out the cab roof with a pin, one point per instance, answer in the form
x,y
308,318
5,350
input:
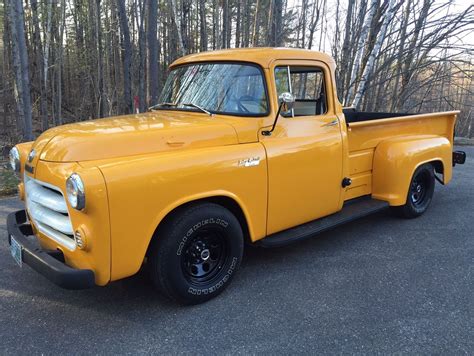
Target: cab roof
x,y
259,55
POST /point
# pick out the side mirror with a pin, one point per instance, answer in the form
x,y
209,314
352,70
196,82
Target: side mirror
x,y
286,100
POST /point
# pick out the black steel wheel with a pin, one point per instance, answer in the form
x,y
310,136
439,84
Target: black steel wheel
x,y
195,254
204,256
420,193
419,188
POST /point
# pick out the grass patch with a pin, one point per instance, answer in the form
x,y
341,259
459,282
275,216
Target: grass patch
x,y
8,181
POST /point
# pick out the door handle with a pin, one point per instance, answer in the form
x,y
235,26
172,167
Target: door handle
x,y
332,123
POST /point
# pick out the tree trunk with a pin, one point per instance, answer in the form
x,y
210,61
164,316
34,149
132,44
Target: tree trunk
x,y
100,65
153,65
346,46
225,24
94,54
247,23
47,43
127,57
177,22
375,51
142,59
401,48
238,26
410,54
215,26
276,39
255,25
5,75
323,30
40,65
360,50
302,43
116,63
202,25
21,66
59,65
185,9
314,22
268,28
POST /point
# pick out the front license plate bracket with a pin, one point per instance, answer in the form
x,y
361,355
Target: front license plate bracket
x,y
16,251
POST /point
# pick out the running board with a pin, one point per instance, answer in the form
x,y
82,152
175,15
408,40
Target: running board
x,y
352,210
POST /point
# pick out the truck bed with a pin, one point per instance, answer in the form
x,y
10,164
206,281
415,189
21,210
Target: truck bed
x,y
352,115
367,130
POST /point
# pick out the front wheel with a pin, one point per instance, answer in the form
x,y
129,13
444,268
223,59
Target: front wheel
x,y
196,253
420,193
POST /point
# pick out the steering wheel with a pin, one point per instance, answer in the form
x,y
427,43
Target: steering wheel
x,y
249,98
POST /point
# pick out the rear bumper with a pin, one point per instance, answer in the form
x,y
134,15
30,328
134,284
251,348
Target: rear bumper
x,y
47,263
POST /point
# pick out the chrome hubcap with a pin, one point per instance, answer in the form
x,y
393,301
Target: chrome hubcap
x,y
205,254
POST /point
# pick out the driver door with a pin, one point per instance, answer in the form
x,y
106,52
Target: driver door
x,y
304,152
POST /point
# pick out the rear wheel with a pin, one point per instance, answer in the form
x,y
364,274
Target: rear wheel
x,y
196,253
420,193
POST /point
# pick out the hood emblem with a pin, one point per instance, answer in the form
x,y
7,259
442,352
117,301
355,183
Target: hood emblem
x,y
31,155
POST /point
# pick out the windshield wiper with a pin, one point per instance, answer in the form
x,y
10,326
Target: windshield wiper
x,y
197,107
156,106
173,105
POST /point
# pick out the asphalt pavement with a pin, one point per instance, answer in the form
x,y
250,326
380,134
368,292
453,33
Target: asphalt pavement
x,y
377,285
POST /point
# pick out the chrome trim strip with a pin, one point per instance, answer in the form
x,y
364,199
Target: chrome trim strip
x,y
47,185
62,239
45,197
49,217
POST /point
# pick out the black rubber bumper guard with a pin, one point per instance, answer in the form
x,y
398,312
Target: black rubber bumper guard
x,y
47,263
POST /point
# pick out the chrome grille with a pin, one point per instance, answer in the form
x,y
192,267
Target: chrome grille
x,y
47,209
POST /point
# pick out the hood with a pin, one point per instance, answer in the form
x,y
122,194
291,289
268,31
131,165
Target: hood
x,y
133,135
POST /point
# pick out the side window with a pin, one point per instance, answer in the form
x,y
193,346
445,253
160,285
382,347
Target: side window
x,y
307,86
281,80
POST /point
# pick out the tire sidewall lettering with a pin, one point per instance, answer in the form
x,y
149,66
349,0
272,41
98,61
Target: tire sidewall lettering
x,y
221,222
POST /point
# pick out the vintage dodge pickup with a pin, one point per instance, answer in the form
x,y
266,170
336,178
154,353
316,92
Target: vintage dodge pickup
x,y
245,146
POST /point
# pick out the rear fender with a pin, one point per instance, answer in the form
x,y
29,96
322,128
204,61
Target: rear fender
x,y
396,159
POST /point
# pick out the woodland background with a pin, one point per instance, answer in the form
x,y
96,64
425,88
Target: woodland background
x,y
69,60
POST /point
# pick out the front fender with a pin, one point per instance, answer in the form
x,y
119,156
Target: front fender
x,y
24,149
396,159
144,189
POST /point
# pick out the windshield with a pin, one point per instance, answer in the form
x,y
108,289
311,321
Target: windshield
x,y
219,88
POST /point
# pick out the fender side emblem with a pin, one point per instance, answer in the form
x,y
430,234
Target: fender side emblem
x,y
249,162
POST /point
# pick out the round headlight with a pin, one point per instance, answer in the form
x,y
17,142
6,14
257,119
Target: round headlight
x,y
15,159
75,192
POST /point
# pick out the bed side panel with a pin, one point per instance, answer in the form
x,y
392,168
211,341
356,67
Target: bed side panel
x,y
364,138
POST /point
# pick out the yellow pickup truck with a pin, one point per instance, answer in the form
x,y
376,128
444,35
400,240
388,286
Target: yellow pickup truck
x,y
245,146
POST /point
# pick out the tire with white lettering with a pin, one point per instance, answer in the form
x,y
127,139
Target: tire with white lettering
x,y
196,253
420,193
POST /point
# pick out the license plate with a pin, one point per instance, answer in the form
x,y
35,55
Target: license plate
x,y
16,251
